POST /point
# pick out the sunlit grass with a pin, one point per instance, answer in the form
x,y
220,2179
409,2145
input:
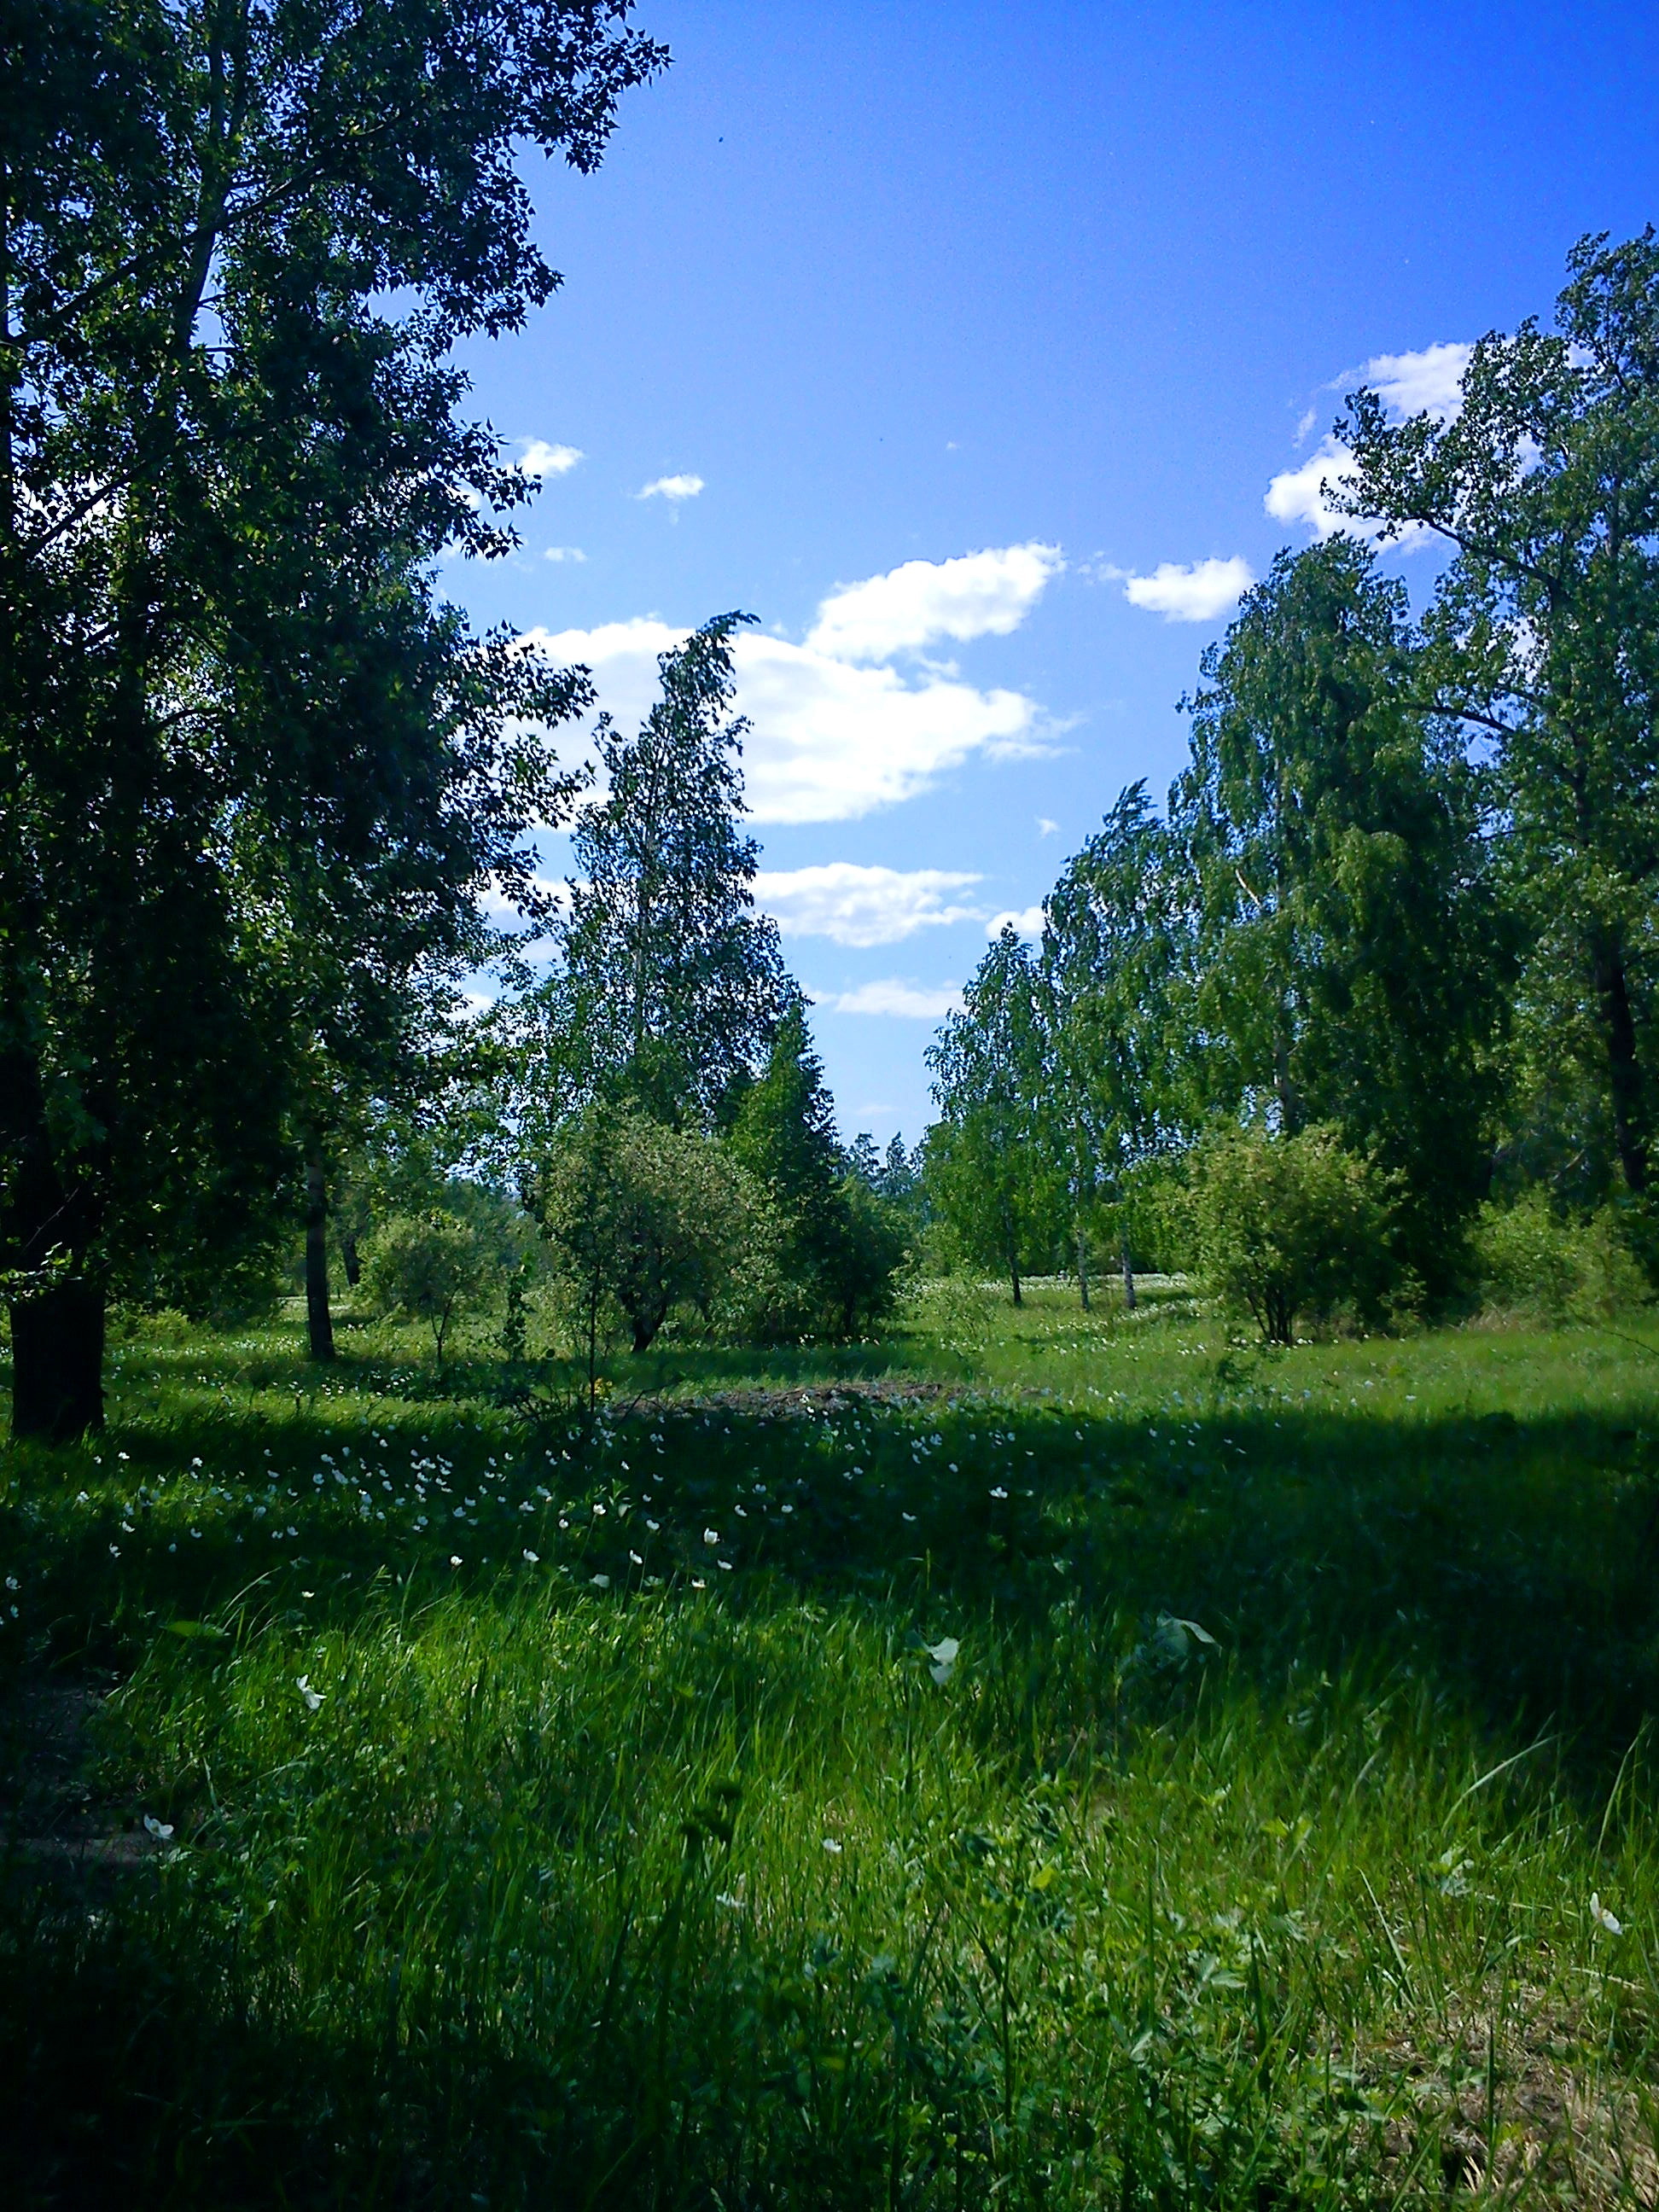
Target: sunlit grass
x,y
622,1846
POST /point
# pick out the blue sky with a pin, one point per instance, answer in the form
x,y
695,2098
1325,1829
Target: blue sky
x,y
1054,294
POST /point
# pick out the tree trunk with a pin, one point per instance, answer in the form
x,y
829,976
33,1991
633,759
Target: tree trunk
x,y
1624,1068
58,1331
320,1323
1128,1276
57,1362
1083,1267
348,1254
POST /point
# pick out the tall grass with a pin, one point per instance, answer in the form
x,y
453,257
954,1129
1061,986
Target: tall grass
x,y
1279,1830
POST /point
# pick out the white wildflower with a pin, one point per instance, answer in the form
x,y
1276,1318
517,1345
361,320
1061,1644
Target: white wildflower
x,y
1603,1918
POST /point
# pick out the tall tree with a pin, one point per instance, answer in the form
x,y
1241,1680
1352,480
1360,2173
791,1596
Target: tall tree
x,y
1115,958
1545,631
990,1155
669,984
1352,947
238,240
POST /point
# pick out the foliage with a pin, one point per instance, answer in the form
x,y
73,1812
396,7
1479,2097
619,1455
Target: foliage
x,y
1115,965
1351,952
1536,1260
990,1162
251,771
1544,486
428,1266
643,1218
669,982
1292,1227
839,1242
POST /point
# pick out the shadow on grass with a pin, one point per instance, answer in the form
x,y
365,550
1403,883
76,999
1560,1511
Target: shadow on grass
x,y
1513,1559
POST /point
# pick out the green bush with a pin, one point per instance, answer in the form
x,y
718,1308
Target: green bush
x,y
1537,1263
642,1219
428,1266
1290,1228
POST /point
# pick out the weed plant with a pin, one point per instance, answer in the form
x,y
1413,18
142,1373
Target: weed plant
x,y
1073,1762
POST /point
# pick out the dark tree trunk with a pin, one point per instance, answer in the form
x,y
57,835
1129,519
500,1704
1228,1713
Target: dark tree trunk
x,y
320,1323
1624,1068
57,1321
1128,1276
57,1362
1083,1268
353,1264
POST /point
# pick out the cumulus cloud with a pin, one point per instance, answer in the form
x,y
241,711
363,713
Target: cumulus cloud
x,y
564,553
918,604
829,739
671,488
1024,920
540,459
1045,827
861,905
891,996
1195,593
1299,494
1428,382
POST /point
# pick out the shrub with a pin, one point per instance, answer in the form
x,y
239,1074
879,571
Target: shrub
x,y
1292,1227
427,1266
1547,1266
642,1218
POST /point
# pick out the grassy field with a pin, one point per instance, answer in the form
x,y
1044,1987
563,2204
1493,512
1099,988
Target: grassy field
x,y
1042,1760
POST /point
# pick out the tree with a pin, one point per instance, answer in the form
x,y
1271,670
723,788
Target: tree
x,y
1292,1226
641,1215
669,982
839,1245
238,243
1114,965
990,1156
428,1266
1352,949
1545,633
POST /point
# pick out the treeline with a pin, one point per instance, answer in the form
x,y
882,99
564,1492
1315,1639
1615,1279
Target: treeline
x,y
1387,957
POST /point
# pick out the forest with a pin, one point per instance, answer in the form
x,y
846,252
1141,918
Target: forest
x,y
573,1634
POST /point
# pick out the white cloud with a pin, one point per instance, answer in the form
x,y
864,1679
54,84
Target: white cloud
x,y
1426,383
891,996
862,906
979,594
830,741
1026,921
540,459
1297,495
1046,828
1195,593
564,553
671,488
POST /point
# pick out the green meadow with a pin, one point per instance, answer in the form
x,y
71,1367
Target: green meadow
x,y
1039,1759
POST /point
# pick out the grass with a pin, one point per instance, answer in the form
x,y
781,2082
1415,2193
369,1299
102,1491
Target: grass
x,y
597,1815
